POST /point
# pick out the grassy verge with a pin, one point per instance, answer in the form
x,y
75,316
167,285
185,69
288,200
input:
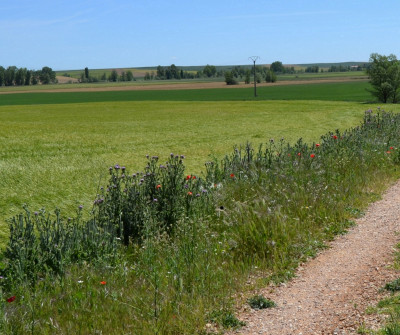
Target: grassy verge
x,y
189,243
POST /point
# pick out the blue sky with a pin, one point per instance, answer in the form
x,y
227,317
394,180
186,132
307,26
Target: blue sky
x,y
73,34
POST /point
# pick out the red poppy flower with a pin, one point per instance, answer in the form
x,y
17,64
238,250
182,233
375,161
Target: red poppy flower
x,y
388,152
289,155
317,145
103,282
11,299
158,186
190,193
188,177
193,177
334,137
391,148
299,154
232,175
312,155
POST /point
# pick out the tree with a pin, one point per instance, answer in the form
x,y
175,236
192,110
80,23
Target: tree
x,y
9,75
384,75
47,75
270,77
86,73
160,72
2,72
113,76
247,77
35,77
229,78
28,77
277,67
175,73
20,75
122,77
210,70
129,75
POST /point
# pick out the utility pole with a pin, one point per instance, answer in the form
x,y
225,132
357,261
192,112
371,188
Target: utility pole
x,y
254,58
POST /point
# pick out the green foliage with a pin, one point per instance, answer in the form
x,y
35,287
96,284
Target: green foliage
x,y
247,77
161,195
2,73
47,75
226,318
171,72
384,74
277,67
230,79
40,246
260,302
210,70
393,285
270,77
113,76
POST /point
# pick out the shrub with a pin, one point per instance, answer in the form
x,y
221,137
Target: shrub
x,y
270,77
229,78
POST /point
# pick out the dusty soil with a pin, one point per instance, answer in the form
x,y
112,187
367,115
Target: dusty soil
x,y
331,292
178,86
66,80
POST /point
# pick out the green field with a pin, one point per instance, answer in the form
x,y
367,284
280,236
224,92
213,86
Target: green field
x,y
56,147
257,215
348,91
54,155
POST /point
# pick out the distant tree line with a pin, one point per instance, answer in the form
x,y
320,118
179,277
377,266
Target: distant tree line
x,y
312,69
170,72
343,68
114,76
13,76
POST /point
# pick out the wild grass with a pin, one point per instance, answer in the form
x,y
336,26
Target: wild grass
x,y
269,207
57,155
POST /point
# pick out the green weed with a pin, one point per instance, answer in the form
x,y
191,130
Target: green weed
x,y
260,302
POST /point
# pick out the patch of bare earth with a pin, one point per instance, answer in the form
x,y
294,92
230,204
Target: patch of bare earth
x,y
331,292
66,80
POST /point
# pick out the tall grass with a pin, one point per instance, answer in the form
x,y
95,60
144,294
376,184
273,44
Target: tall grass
x,y
181,260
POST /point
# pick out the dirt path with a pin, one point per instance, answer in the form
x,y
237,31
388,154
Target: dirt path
x,y
331,292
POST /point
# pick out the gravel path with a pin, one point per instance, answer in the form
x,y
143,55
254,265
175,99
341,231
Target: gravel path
x,y
331,292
